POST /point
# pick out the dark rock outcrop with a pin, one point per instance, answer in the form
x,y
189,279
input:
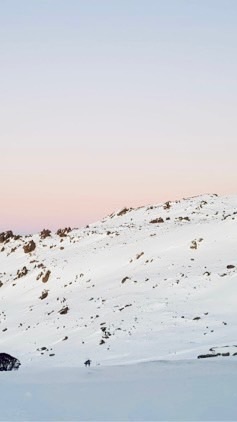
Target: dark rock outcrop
x,y
6,236
45,233
44,294
22,272
29,247
64,310
157,220
8,362
209,355
123,211
46,276
167,205
64,232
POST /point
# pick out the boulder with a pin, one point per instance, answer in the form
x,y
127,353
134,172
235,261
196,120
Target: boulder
x,y
46,276
45,233
29,247
6,236
157,220
64,232
8,362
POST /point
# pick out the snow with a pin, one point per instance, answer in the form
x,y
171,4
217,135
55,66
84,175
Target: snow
x,y
165,390
143,300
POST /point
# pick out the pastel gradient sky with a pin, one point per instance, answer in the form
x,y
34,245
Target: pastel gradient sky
x,y
112,103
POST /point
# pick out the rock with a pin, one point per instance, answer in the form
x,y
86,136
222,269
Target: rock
x,y
157,220
209,355
16,237
230,267
39,275
6,236
29,247
123,211
64,310
193,244
45,233
167,205
22,273
8,362
46,276
125,279
44,294
64,232
183,218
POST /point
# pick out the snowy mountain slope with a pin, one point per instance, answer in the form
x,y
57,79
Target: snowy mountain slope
x,y
156,282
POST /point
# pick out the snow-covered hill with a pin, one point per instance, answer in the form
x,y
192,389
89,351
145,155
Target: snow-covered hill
x,y
157,282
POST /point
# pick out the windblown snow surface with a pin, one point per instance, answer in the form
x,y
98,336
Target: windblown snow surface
x,y
143,294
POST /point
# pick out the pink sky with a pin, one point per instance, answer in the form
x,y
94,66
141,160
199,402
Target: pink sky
x,y
112,104
67,190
